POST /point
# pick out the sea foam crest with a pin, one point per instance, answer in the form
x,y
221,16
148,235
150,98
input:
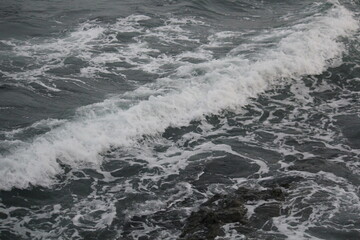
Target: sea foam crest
x,y
194,91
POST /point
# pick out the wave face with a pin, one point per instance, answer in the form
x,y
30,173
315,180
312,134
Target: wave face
x,y
117,105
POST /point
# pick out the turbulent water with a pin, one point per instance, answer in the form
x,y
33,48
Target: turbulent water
x,y
118,119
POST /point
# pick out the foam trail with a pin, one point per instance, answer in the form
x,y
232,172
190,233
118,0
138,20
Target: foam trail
x,y
225,84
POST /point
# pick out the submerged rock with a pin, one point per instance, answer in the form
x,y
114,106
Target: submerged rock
x,y
207,222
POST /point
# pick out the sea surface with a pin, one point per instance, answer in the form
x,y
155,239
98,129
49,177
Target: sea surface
x,y
118,119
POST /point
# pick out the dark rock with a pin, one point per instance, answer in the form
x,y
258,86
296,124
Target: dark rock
x,y
219,210
206,223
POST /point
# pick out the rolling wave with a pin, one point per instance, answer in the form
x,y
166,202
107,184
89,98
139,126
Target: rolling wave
x,y
192,92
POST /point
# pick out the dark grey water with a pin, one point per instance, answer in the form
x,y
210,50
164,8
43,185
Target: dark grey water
x,y
119,119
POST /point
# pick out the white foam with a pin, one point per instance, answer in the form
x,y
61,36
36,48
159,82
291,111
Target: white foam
x,y
87,218
48,54
83,43
130,42
194,91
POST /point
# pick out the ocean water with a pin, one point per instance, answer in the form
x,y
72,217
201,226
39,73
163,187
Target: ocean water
x,y
118,119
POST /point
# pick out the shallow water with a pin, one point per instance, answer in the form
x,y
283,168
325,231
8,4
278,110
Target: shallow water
x,y
117,120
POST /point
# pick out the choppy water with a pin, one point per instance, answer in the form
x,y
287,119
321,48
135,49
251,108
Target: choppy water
x,y
118,119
